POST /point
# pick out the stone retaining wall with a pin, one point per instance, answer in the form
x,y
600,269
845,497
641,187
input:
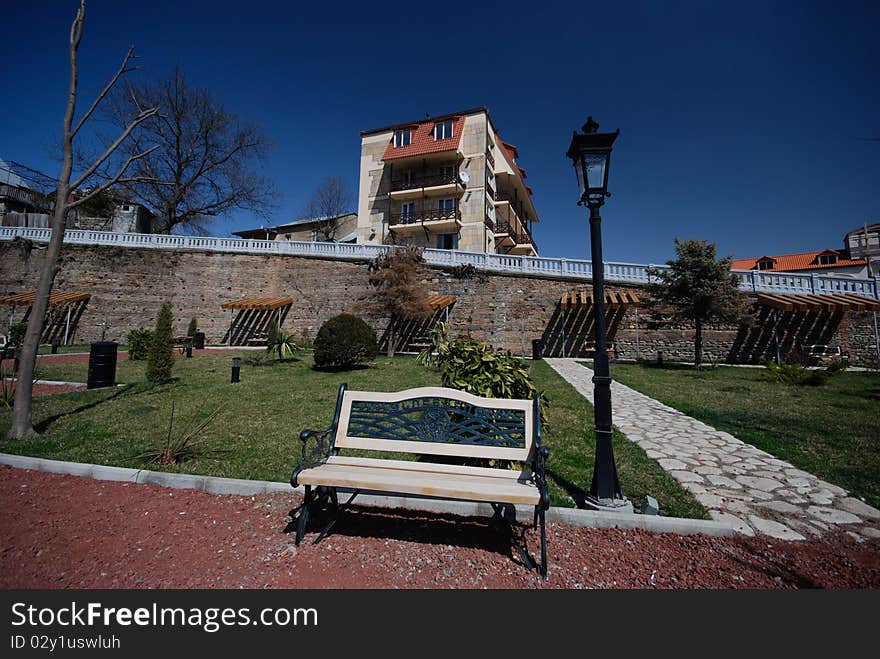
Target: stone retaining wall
x,y
128,286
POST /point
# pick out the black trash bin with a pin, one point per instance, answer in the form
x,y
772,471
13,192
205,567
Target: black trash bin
x,y
537,348
102,365
199,340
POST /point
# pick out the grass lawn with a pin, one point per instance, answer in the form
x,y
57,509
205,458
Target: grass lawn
x,y
255,432
832,431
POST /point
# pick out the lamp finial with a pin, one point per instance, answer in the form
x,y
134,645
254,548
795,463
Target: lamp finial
x,y
590,127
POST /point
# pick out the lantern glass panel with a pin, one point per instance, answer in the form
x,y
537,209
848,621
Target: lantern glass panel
x,y
578,169
594,164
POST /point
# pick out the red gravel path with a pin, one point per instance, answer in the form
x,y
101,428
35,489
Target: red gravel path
x,y
68,532
48,389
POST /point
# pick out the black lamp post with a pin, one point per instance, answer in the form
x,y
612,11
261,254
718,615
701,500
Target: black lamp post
x,y
590,152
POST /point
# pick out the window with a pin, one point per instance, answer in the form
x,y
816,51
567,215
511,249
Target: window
x,y
446,207
407,210
443,130
447,173
408,178
827,259
402,137
447,241
766,264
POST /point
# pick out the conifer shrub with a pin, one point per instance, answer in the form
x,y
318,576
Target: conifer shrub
x,y
160,359
345,341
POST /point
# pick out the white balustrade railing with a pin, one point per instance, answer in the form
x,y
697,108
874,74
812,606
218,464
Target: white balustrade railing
x,y
750,280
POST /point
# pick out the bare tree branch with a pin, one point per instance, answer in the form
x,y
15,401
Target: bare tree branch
x,y
104,91
146,114
113,181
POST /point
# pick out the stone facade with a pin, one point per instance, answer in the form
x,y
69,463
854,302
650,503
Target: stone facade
x,y
128,286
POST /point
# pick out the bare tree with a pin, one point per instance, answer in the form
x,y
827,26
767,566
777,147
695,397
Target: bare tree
x,y
207,161
66,199
330,201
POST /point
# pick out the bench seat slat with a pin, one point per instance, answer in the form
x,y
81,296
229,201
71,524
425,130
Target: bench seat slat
x,y
471,487
432,467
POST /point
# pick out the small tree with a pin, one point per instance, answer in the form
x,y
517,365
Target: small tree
x,y
330,201
395,290
160,359
192,329
699,287
67,199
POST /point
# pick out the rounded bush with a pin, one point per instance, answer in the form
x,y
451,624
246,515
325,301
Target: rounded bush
x,y
344,341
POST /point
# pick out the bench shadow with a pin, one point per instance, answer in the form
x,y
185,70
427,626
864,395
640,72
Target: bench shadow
x,y
421,527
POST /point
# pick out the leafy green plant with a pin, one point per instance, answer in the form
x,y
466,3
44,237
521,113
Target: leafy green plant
x,y
437,335
478,368
192,328
794,374
16,333
138,342
345,341
160,358
282,343
169,449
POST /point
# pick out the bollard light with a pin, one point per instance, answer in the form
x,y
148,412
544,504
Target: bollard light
x,y
236,369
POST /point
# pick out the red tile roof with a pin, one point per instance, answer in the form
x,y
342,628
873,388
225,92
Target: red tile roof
x,y
423,141
794,262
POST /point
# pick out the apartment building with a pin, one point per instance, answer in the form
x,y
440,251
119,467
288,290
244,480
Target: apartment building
x,y
447,182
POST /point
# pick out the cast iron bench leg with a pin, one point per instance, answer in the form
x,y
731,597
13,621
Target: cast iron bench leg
x,y
514,541
543,544
303,515
337,511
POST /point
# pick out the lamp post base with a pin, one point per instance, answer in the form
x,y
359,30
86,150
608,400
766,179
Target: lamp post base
x,y
609,505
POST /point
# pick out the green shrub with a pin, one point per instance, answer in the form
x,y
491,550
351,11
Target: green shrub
x,y
160,359
193,328
345,341
138,342
16,333
478,368
794,374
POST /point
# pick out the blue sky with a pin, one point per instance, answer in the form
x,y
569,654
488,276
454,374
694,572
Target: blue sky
x,y
746,124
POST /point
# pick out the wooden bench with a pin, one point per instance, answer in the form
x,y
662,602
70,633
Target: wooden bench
x,y
428,421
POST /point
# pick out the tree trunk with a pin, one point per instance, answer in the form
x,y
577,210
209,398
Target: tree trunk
x,y
698,343
392,338
22,411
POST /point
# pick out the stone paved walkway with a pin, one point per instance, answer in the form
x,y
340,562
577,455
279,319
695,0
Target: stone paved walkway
x,y
735,481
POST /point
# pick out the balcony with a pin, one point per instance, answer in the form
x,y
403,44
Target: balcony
x,y
425,186
513,241
434,219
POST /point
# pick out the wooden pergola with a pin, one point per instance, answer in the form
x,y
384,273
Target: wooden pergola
x,y
836,302
264,305
56,299
585,299
438,302
785,306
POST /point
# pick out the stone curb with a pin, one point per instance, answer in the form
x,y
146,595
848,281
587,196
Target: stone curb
x,y
242,487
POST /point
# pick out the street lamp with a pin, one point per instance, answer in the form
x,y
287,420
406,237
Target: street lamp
x,y
590,152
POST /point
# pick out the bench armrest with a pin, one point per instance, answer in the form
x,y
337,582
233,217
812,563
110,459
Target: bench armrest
x,y
539,474
317,446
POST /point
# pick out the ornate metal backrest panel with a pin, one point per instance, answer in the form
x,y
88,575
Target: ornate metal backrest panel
x,y
436,420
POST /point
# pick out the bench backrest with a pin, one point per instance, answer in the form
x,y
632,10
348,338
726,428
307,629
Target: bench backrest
x,y
437,421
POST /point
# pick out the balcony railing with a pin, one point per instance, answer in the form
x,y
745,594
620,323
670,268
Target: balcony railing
x,y
490,158
429,215
416,182
574,269
490,191
11,192
519,237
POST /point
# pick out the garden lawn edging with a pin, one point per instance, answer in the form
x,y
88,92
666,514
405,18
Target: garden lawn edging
x,y
239,486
